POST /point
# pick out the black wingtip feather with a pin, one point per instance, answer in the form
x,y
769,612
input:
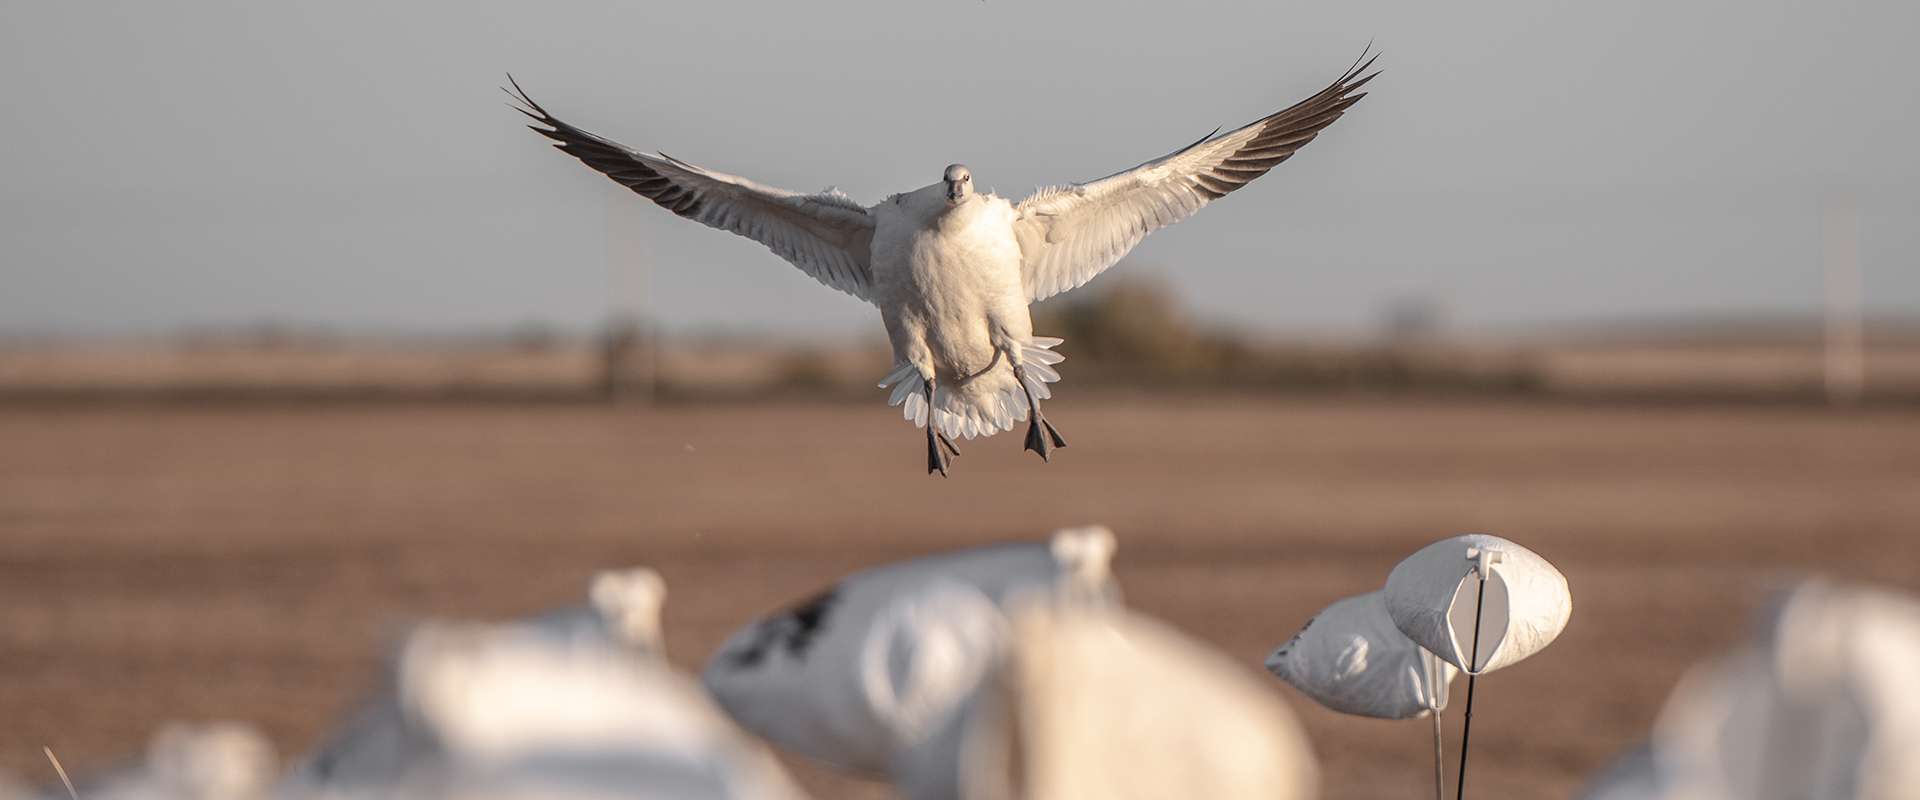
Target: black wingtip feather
x,y
1361,64
521,93
1349,88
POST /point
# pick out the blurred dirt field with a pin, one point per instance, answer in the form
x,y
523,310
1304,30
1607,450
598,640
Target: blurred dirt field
x,y
254,562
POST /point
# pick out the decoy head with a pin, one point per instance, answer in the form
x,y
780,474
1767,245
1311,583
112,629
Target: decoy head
x,y
959,183
629,602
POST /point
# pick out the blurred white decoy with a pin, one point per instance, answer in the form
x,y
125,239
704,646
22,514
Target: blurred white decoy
x,y
1100,703
1728,733
953,270
215,761
503,711
1631,776
1432,597
379,744
1820,705
623,606
1350,658
873,665
1859,648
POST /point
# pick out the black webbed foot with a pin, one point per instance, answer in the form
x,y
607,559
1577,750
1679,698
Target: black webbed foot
x,y
1037,442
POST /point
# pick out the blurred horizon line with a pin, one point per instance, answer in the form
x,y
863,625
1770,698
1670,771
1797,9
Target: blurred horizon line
x,y
1760,325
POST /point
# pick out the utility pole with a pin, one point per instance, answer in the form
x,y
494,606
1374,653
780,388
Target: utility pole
x,y
628,344
1844,364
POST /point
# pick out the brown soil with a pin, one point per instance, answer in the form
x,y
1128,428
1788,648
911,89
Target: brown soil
x,y
253,563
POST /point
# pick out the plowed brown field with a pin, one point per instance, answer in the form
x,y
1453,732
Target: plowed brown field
x,y
253,562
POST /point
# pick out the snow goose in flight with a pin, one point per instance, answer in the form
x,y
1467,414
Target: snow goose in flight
x,y
952,269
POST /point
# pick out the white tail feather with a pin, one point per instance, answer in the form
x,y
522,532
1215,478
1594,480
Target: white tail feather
x,y
970,415
899,373
900,392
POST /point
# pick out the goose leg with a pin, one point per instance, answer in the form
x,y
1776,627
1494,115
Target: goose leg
x,y
1036,440
937,460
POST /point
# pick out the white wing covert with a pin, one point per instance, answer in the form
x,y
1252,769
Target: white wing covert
x,y
1070,234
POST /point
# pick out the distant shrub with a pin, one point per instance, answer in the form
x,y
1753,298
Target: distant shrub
x,y
805,371
1133,331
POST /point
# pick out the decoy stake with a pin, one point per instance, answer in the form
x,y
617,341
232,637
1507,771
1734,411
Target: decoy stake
x,y
1483,561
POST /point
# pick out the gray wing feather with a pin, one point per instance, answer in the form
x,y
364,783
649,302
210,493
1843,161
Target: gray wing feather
x,y
827,235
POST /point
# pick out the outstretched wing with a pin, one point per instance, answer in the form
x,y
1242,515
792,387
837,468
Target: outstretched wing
x,y
826,235
1069,234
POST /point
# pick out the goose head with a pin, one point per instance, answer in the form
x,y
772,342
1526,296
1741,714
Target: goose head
x,y
959,182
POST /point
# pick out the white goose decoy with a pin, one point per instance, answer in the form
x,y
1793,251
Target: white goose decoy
x,y
1351,658
863,672
214,761
1092,702
623,607
510,715
1821,704
1481,603
1431,599
376,745
953,270
483,711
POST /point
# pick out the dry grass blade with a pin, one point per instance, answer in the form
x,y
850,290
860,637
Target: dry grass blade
x,y
62,771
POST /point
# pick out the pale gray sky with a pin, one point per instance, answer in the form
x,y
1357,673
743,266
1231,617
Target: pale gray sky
x,y
353,164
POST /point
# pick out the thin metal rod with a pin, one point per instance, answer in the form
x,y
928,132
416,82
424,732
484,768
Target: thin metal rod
x,y
1473,666
1439,763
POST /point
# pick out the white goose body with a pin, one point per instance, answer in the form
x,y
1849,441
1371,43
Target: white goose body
x,y
953,271
947,277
